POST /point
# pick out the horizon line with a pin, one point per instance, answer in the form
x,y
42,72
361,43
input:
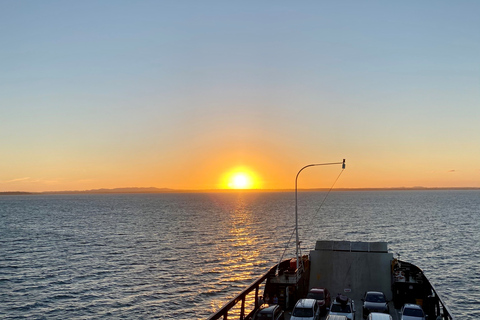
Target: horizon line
x,y
147,190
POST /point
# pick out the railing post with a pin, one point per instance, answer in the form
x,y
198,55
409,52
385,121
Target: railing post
x,y
242,311
223,312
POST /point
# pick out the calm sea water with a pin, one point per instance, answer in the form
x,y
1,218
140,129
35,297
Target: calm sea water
x,y
182,256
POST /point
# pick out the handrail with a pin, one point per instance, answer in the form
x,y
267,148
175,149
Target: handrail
x,y
447,315
241,297
445,312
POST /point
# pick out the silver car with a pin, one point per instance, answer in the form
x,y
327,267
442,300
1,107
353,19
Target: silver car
x,y
306,309
412,312
379,316
336,317
343,306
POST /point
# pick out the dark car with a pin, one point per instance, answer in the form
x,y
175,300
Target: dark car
x,y
269,312
322,296
374,301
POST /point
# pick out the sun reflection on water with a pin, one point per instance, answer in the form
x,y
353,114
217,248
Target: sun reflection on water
x,y
242,253
250,237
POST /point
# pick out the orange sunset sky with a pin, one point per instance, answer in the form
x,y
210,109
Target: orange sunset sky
x,y
184,94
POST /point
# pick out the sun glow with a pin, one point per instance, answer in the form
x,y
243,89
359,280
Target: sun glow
x,y
240,178
241,181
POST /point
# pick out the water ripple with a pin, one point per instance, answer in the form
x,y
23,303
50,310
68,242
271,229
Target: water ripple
x,y
182,256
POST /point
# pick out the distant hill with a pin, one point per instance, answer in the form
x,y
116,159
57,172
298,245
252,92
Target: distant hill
x,y
115,190
14,193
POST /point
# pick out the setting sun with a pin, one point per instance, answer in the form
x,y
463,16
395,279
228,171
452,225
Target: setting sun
x,y
241,181
240,178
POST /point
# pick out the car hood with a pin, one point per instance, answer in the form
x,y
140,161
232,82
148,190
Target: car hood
x,y
412,318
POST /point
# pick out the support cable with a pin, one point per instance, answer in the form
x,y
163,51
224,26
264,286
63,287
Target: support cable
x,y
325,198
316,213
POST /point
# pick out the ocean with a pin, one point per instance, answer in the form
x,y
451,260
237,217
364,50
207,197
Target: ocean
x,y
183,255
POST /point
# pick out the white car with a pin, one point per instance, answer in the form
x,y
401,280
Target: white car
x,y
343,306
412,312
374,301
379,316
335,317
306,309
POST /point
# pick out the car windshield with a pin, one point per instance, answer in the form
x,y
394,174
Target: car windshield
x,y
315,295
375,297
412,312
303,312
345,308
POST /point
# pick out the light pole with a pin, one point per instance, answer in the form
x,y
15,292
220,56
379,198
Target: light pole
x,y
297,247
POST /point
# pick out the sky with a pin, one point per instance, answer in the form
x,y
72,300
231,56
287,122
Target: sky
x,y
179,94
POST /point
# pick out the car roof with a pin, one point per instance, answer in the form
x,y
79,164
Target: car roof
x,y
305,303
317,289
334,301
412,306
376,292
267,308
380,316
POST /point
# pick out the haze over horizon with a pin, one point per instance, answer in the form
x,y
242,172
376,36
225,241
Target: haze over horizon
x,y
206,95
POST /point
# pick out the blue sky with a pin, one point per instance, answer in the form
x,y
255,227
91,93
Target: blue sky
x,y
174,93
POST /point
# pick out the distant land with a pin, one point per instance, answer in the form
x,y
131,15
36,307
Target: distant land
x,y
14,193
168,190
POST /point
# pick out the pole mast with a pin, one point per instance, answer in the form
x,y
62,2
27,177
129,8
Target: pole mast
x,y
297,240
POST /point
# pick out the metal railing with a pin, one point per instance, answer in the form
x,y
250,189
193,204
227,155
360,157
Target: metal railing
x,y
441,308
223,312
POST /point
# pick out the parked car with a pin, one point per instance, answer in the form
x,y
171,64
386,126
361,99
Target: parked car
x,y
306,309
322,295
374,301
412,312
336,317
343,305
269,312
379,316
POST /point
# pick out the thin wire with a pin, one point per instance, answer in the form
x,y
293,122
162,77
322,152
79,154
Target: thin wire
x,y
285,250
321,204
325,198
293,231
